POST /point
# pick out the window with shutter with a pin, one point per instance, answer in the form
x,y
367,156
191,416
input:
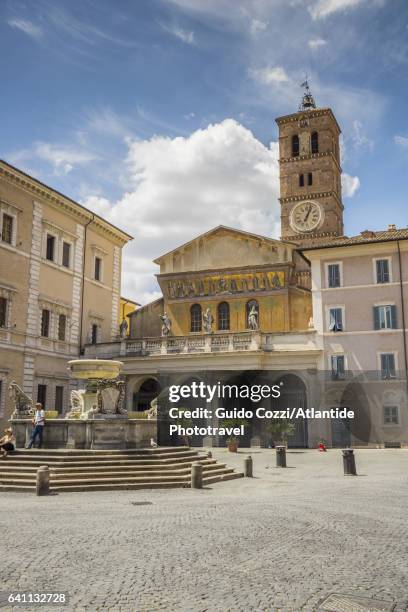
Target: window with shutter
x,y
385,317
335,319
3,311
333,271
388,365
383,270
338,369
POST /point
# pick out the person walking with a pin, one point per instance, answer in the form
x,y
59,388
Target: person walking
x,y
7,442
38,429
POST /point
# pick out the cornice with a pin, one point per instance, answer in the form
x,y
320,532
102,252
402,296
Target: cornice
x,y
59,201
317,112
312,196
285,160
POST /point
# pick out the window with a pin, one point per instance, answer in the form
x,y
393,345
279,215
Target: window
x,y
391,415
50,248
3,312
94,333
223,316
59,398
66,254
315,142
295,145
98,269
337,366
310,178
7,229
195,318
335,319
301,180
42,395
333,274
45,323
62,327
382,270
385,317
387,365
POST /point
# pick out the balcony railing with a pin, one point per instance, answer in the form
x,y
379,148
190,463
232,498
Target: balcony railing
x,y
205,343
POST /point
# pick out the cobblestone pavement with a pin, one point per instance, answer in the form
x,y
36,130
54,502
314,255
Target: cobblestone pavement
x,y
283,540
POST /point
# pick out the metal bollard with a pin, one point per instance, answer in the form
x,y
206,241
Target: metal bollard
x,y
280,456
196,476
349,462
248,466
43,480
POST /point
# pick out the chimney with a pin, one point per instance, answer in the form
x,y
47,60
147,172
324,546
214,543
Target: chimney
x,y
392,227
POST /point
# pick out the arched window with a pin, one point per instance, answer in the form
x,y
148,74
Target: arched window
x,y
195,318
315,142
223,316
295,145
252,314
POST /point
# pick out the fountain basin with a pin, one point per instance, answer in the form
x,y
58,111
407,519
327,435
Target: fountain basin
x,y
95,369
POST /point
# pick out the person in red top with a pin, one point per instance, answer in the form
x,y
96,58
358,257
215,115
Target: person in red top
x,y
38,429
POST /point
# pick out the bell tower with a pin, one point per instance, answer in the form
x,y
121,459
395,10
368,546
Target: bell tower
x,y
310,173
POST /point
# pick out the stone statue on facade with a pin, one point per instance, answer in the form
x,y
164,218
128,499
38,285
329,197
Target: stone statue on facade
x,y
253,323
166,324
208,321
152,412
123,329
23,404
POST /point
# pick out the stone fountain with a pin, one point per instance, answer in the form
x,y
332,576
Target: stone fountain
x,y
103,396
97,419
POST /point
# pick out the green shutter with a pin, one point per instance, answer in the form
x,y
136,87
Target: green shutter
x,y
376,312
394,317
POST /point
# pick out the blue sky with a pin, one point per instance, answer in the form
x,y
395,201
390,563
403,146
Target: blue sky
x,y
160,114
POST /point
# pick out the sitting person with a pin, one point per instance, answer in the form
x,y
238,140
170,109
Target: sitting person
x,y
7,442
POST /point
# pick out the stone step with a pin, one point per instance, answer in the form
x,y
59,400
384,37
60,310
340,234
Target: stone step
x,y
88,451
119,487
68,474
107,462
68,457
207,480
69,469
109,479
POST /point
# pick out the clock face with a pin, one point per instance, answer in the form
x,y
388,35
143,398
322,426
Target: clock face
x,y
306,216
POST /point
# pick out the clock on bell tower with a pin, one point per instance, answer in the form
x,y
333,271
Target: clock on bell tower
x,y
310,173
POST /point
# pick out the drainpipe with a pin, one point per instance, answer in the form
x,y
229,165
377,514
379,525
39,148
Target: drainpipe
x,y
81,319
403,313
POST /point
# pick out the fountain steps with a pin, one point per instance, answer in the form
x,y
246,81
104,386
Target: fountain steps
x,y
73,470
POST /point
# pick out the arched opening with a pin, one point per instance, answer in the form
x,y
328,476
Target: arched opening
x,y
315,142
361,427
195,318
147,392
223,316
295,145
293,395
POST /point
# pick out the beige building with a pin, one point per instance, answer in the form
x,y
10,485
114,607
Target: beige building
x,y
60,278
360,297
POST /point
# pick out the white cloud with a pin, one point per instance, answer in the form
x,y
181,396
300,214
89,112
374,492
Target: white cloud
x,y
62,159
402,141
269,75
316,43
258,26
349,185
360,140
27,27
323,8
186,186
185,36
106,122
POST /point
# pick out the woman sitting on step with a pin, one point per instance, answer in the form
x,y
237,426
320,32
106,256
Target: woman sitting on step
x,y
7,442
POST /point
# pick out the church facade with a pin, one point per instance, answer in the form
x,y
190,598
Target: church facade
x,y
235,303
